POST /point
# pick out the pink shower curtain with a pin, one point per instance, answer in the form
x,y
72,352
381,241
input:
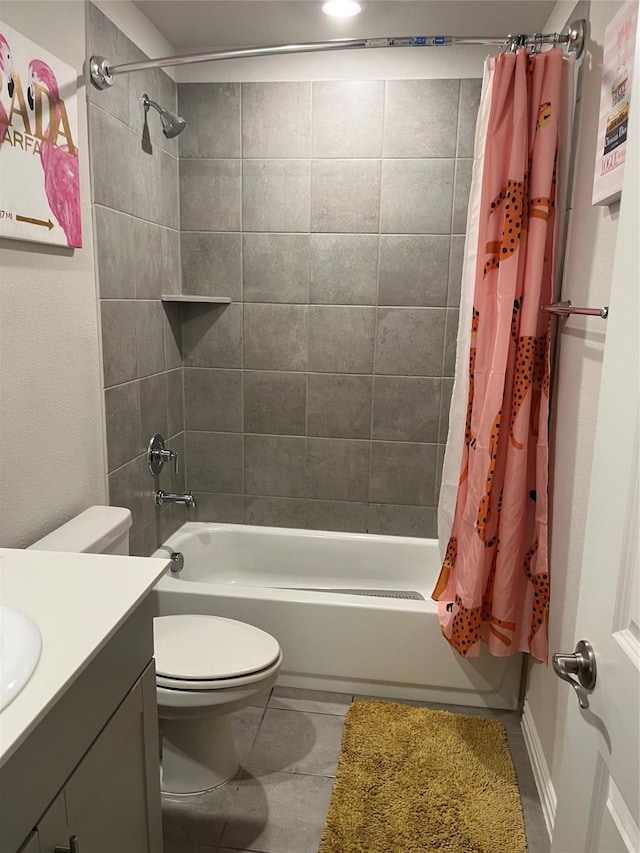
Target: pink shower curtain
x,y
494,582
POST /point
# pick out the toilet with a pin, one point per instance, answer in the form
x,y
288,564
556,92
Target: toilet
x,y
207,667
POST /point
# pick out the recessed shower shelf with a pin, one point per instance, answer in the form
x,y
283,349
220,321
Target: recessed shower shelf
x,y
186,297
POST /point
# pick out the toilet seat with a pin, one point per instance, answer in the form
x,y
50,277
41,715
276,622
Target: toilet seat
x,y
190,684
195,652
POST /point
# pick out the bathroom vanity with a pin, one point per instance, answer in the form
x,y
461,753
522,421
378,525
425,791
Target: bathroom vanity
x,y
79,764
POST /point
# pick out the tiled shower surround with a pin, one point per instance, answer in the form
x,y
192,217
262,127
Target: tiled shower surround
x,y
333,216
135,193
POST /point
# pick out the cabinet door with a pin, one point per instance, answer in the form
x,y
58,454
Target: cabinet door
x,y
113,797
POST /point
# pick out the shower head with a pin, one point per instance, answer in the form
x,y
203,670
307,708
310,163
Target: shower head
x,y
172,125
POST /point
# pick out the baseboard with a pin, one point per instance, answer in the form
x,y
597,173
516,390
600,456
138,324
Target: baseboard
x,y
540,769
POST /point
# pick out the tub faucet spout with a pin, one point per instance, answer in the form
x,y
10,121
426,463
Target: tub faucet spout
x,y
170,498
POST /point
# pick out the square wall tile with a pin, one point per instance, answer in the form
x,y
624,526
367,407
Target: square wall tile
x,y
337,469
169,183
413,270
410,341
214,462
175,401
408,132
105,39
122,415
417,196
125,489
274,465
210,195
275,195
406,408
276,119
275,267
275,512
345,195
211,264
450,343
342,516
344,269
119,353
149,258
153,407
275,336
275,403
212,336
341,339
456,263
110,142
171,275
172,323
339,406
390,520
348,118
115,252
470,91
149,337
402,473
212,111
213,399
464,169
228,509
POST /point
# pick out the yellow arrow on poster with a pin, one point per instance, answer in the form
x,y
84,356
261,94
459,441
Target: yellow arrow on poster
x,y
47,223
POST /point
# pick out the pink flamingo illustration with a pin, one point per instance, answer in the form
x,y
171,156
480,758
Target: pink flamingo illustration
x,y
59,164
5,68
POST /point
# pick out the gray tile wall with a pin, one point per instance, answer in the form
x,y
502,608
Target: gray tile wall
x,y
333,215
136,208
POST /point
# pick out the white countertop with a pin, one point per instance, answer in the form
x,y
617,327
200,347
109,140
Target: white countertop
x,y
78,601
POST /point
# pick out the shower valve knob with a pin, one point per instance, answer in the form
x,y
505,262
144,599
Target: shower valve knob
x,y
158,455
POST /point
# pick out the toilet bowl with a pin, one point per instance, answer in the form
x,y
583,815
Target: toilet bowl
x,y
207,667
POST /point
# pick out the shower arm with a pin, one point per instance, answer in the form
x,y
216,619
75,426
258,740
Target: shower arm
x,y
103,73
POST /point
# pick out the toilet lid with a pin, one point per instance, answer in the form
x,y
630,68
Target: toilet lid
x,y
210,647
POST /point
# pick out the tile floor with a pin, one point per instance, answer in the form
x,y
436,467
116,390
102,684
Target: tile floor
x,y
288,748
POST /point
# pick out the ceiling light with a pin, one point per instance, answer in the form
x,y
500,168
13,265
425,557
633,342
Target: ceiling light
x,y
342,8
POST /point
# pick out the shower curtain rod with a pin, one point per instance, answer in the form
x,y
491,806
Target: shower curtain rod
x,y
103,73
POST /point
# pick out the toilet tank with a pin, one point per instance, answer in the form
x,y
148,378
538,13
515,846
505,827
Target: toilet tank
x,y
97,530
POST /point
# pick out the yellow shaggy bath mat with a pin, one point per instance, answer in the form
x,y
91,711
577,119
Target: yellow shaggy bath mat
x,y
412,780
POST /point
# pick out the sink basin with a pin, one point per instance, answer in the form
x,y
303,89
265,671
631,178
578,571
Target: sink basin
x,y
20,646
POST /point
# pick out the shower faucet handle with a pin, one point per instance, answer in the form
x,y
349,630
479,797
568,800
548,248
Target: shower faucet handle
x,y
158,455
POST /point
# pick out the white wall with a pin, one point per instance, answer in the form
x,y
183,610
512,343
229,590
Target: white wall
x,y
51,447
576,387
52,458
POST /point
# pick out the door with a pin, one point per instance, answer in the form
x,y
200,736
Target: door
x,y
599,792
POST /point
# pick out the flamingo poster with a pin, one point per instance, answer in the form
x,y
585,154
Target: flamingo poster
x,y
39,156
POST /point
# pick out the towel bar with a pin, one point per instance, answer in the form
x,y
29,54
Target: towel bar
x,y
565,308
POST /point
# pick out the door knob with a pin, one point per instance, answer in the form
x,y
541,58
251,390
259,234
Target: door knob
x,y
579,669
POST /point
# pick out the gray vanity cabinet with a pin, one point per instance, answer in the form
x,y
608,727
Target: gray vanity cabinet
x,y
110,802
91,767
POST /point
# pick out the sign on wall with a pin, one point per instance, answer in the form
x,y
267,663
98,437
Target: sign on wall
x,y
617,68
39,158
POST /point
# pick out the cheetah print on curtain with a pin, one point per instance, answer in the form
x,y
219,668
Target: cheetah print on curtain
x,y
494,583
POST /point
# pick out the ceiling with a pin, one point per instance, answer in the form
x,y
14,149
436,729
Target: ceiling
x,y
199,24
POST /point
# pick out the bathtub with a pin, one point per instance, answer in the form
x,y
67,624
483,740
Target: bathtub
x,y
352,612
